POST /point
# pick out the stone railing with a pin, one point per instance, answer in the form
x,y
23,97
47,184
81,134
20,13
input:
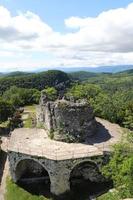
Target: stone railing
x,y
61,154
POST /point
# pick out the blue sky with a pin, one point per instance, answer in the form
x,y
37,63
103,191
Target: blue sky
x,y
70,33
55,11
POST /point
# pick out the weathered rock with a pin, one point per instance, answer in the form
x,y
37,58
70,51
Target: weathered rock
x,y
66,120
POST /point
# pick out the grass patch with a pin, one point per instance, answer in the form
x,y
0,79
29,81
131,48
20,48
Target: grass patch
x,y
14,192
110,196
30,120
31,108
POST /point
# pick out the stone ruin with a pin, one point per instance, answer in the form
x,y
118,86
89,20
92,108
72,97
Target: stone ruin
x,y
62,167
67,120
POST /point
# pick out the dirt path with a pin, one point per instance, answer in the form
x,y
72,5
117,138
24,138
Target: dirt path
x,y
3,181
4,167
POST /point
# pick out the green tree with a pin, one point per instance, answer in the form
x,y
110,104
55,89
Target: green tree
x,y
120,169
116,106
128,117
79,91
51,93
6,110
21,96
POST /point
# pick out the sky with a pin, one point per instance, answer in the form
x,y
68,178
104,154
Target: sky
x,y
37,34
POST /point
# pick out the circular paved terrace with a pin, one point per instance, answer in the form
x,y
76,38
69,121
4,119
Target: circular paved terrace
x,y
36,142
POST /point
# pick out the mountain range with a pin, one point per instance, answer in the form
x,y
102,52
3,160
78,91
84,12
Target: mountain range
x,y
102,69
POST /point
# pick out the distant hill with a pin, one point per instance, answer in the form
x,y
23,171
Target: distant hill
x,y
130,71
98,77
39,81
82,75
100,69
74,75
112,69
17,73
106,69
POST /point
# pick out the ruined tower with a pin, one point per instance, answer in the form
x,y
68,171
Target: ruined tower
x,y
67,120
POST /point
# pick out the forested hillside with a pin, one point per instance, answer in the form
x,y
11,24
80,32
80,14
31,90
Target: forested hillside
x,y
16,73
82,75
111,95
20,89
38,81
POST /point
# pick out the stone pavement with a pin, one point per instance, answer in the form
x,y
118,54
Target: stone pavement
x,y
36,142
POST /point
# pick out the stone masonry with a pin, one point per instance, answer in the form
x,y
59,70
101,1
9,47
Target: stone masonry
x,y
59,159
59,171
67,121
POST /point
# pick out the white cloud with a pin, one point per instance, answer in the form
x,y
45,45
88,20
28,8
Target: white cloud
x,y
111,31
102,40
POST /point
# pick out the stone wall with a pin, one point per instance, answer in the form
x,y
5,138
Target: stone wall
x,y
68,121
59,171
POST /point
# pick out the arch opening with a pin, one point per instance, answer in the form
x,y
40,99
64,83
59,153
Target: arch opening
x,y
33,177
86,180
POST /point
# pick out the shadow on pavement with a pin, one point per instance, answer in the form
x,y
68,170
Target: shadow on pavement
x,y
101,135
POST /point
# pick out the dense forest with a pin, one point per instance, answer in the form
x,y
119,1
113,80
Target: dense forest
x,y
36,80
111,95
19,89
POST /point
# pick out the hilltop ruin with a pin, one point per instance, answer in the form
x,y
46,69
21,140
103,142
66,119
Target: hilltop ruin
x,y
71,157
67,120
